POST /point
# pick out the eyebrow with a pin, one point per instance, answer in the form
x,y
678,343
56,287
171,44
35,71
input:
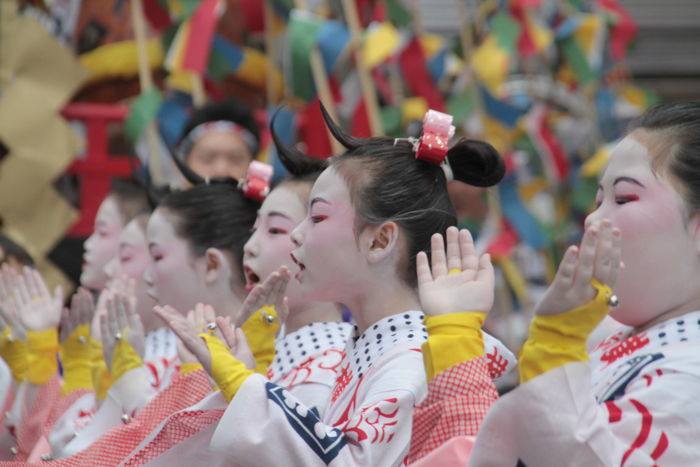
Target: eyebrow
x,y
624,179
318,200
278,214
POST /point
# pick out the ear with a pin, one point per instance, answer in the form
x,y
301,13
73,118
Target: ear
x,y
216,265
382,241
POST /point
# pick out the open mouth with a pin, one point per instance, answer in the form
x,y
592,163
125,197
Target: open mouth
x,y
298,275
251,279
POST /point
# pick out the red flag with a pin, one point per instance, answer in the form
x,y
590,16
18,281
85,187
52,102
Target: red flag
x,y
526,44
253,14
312,130
157,16
504,242
360,121
201,34
418,79
623,31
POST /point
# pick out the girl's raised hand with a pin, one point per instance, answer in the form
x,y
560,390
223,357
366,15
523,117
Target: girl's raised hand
x,y
82,308
598,257
187,330
37,309
121,322
270,292
236,341
458,279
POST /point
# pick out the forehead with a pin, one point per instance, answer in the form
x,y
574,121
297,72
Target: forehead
x,y
220,141
109,211
631,157
160,227
132,233
285,200
330,186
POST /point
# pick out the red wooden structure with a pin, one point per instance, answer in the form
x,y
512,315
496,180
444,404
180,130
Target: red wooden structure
x,y
98,167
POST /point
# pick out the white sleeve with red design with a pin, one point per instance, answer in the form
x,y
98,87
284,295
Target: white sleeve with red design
x,y
265,425
127,396
555,420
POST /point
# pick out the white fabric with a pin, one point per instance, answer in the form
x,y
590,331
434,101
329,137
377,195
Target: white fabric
x,y
126,396
635,403
367,422
305,362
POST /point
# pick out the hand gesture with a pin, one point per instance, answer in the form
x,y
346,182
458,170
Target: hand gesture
x,y
458,280
188,330
198,320
598,257
236,341
37,309
120,322
82,308
270,292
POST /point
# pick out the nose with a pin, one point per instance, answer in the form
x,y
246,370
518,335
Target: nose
x,y
148,276
297,235
251,249
88,243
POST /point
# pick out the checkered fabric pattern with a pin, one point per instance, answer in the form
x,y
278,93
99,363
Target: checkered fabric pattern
x,y
178,428
118,443
34,418
457,402
61,406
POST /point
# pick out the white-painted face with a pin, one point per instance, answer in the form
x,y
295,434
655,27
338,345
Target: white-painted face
x,y
657,240
102,245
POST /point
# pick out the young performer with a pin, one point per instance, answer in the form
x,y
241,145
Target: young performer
x,y
307,356
125,201
370,212
633,399
220,140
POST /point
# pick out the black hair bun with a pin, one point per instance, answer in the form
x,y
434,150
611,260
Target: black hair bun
x,y
230,110
476,163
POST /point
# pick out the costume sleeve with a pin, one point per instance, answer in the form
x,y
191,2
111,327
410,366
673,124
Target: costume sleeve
x,y
130,392
14,352
260,331
554,420
42,350
460,390
374,430
76,360
452,338
556,340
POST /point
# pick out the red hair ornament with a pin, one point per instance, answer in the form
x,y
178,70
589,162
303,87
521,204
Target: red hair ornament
x,y
256,184
437,131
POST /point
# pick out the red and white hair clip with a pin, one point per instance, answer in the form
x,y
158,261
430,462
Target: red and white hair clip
x,y
433,145
256,184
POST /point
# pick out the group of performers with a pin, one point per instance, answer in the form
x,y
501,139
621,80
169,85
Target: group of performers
x,y
211,325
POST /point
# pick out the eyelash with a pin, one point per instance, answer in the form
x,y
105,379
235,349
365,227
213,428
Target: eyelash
x,y
626,199
317,219
276,231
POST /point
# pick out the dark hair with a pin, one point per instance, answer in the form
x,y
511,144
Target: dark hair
x,y
214,215
388,183
230,110
131,198
680,124
10,249
300,167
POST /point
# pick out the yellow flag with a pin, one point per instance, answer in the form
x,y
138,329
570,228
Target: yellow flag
x,y
381,41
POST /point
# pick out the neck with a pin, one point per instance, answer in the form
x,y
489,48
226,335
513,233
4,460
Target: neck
x,y
692,305
382,299
311,313
230,306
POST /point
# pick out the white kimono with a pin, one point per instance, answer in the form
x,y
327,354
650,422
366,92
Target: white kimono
x,y
367,421
305,363
636,403
73,433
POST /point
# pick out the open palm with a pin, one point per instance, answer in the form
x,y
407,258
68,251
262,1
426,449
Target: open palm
x,y
458,280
